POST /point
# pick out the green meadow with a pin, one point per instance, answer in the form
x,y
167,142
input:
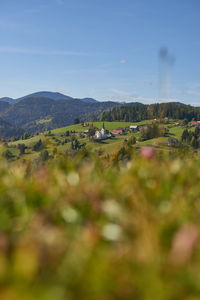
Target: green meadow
x,y
108,126
56,140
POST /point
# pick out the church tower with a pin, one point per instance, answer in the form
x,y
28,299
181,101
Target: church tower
x,y
103,130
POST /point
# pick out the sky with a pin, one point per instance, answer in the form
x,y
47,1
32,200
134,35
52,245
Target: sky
x,y
111,50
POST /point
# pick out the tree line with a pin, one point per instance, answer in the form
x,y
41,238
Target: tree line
x,y
191,138
138,112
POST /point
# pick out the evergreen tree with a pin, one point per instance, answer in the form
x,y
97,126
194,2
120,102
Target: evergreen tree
x,y
38,145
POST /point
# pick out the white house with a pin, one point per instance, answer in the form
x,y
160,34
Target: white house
x,y
101,134
133,127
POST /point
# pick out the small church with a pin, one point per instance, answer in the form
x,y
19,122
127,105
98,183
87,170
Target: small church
x,y
101,134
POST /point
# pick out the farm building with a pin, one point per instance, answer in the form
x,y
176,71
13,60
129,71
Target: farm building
x,y
134,128
173,141
195,123
118,131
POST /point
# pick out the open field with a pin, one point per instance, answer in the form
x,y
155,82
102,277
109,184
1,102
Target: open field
x,y
108,126
56,141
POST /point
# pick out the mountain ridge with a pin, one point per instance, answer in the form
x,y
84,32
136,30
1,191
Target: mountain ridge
x,y
46,94
35,114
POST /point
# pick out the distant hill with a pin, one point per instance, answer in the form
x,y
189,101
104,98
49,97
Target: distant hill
x,y
47,110
7,99
44,94
8,130
89,100
3,106
38,114
50,95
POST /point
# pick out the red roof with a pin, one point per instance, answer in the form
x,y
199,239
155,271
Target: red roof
x,y
117,130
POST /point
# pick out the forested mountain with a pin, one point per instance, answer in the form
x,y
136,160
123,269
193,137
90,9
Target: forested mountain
x,y
7,130
136,112
38,114
45,94
3,106
35,113
7,99
89,100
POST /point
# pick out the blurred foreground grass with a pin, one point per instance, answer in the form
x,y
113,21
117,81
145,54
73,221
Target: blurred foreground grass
x,y
90,230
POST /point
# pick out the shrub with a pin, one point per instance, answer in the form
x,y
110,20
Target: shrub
x,y
7,154
38,145
44,155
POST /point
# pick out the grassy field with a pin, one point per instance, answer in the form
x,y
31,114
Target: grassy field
x,y
108,126
174,132
55,142
107,145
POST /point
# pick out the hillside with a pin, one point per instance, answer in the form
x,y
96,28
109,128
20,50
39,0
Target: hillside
x,y
133,112
7,99
39,114
3,106
8,130
60,139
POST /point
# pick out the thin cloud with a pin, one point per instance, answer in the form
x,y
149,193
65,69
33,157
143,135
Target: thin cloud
x,y
123,61
193,89
16,50
169,100
195,104
119,92
191,92
120,95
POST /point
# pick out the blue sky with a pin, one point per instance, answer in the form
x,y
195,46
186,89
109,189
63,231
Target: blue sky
x,y
105,49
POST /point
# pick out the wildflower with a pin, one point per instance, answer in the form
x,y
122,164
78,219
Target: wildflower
x,y
70,215
111,208
183,244
73,178
147,152
112,232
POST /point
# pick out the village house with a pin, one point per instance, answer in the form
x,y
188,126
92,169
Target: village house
x,y
118,131
134,128
195,123
173,142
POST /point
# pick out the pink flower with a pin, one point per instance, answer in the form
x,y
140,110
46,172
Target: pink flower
x,y
183,244
147,152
